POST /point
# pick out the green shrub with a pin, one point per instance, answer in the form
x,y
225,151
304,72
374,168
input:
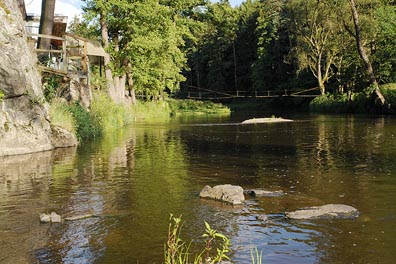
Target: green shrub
x,y
110,115
195,106
389,92
330,104
1,96
53,87
87,123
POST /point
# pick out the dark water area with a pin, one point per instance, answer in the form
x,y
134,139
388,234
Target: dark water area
x,y
131,180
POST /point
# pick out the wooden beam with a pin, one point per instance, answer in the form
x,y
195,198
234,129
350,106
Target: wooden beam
x,y
46,36
48,51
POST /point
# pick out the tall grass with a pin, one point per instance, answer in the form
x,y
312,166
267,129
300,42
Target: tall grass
x,y
61,115
176,251
110,115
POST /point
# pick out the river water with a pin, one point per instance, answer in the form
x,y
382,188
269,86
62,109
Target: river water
x,y
131,180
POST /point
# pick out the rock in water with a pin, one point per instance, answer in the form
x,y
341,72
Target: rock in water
x,y
264,193
329,211
50,218
265,120
227,193
45,218
55,218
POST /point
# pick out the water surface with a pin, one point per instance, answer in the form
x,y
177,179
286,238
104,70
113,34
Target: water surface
x,y
133,179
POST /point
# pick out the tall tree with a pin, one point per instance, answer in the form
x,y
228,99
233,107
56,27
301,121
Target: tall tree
x,y
316,28
46,22
363,54
145,40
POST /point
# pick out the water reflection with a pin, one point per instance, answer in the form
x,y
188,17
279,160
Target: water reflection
x,y
131,180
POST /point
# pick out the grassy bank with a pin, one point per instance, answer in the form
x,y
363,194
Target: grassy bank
x,y
196,107
105,116
358,103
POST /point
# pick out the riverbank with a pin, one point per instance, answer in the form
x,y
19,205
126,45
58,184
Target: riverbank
x,y
356,103
105,116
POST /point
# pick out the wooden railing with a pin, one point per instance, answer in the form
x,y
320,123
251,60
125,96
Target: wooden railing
x,y
68,58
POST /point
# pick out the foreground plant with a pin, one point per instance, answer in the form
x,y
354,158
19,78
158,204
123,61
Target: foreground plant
x,y
178,252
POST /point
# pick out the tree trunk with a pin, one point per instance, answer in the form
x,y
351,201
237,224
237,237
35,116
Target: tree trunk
x,y
46,23
235,66
319,76
131,88
363,54
107,59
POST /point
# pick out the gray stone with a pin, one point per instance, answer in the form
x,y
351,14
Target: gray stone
x,y
50,218
262,217
264,193
329,211
227,193
45,218
24,120
55,218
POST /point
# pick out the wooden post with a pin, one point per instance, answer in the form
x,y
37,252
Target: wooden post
x,y
64,55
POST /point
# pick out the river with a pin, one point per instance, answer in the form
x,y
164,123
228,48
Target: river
x,y
132,180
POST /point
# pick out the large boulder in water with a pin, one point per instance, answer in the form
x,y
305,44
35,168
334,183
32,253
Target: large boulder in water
x,y
328,211
227,193
24,121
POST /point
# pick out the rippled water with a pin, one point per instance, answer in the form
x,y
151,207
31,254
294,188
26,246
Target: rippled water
x,y
132,180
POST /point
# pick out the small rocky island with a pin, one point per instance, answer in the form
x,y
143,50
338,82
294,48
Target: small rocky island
x,y
265,120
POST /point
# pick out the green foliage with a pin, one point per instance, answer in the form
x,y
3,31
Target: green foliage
x,y
151,111
358,102
53,86
194,106
87,123
149,35
109,115
385,53
61,115
1,96
217,246
330,103
389,92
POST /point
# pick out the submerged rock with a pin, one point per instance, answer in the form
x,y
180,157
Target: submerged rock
x,y
264,193
227,193
329,211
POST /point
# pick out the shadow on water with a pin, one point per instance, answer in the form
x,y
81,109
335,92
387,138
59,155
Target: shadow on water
x,y
131,180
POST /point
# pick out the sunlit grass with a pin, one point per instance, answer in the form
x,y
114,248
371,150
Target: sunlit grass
x,y
61,116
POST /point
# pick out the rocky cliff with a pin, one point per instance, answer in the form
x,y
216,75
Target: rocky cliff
x,y
24,123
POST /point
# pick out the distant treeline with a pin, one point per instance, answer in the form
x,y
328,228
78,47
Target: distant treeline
x,y
260,45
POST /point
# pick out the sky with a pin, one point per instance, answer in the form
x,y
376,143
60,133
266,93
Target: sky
x,y
72,8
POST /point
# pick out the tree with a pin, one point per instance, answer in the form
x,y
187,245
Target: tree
x,y
363,54
144,40
316,29
46,23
